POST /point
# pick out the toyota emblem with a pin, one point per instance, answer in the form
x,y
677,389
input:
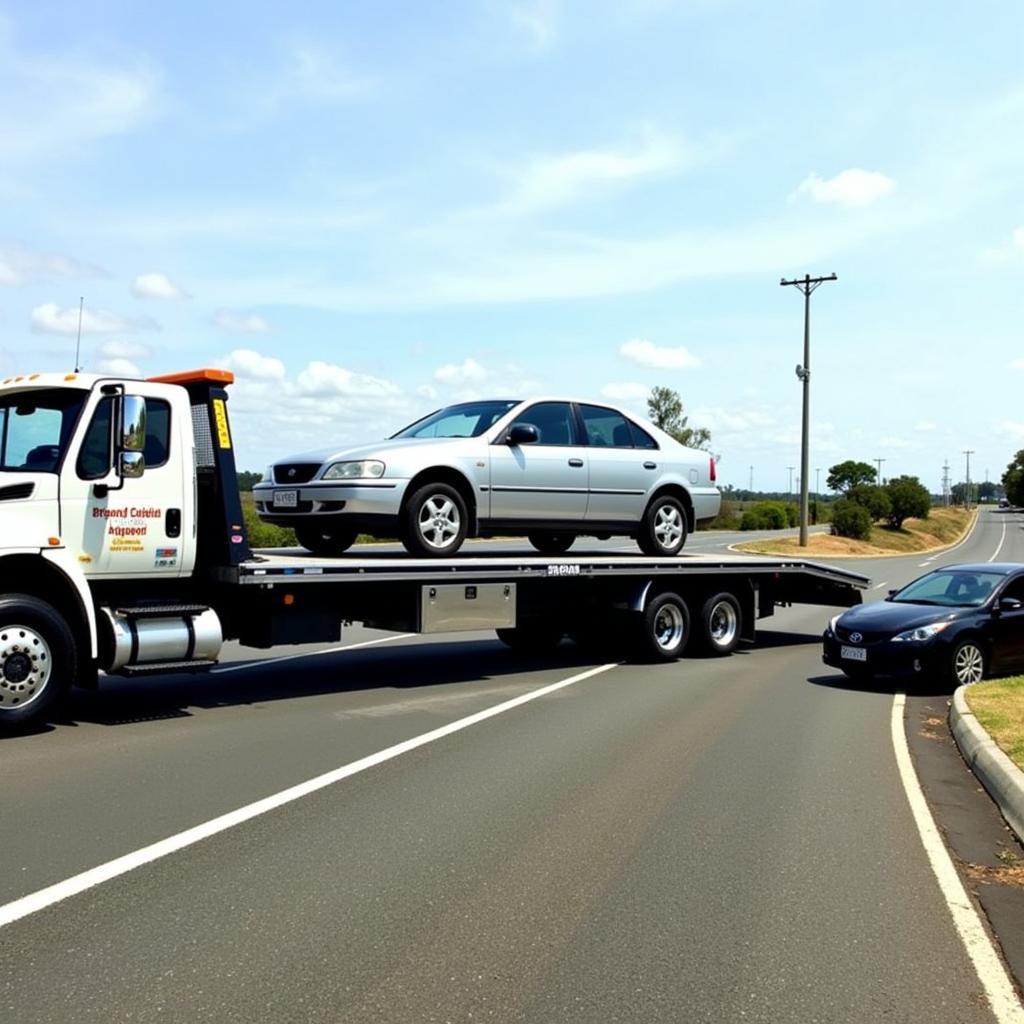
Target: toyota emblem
x,y
291,472
856,637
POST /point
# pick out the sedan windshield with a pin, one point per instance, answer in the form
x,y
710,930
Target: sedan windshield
x,y
951,588
35,427
469,419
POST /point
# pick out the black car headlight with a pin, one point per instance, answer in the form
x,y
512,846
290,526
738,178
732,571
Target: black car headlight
x,y
920,633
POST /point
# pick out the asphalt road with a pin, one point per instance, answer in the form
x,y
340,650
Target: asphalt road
x,y
715,840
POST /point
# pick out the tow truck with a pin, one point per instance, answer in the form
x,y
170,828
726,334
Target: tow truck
x,y
123,550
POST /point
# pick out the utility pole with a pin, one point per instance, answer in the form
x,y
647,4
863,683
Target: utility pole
x,y
945,483
879,461
806,284
751,487
817,484
967,496
790,468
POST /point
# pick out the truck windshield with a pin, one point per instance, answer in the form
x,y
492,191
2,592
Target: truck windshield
x,y
35,428
468,419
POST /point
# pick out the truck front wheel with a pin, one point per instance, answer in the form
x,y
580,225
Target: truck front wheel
x,y
37,660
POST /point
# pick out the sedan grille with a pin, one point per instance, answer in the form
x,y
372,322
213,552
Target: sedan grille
x,y
863,637
295,472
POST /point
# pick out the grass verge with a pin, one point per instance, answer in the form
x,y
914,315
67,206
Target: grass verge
x,y
943,527
999,707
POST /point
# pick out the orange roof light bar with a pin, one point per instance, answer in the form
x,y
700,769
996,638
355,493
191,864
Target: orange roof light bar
x,y
195,377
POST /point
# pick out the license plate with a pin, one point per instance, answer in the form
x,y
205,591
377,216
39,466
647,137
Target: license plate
x,y
286,499
854,653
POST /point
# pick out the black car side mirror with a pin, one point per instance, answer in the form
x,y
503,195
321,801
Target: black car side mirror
x,y
1010,604
522,433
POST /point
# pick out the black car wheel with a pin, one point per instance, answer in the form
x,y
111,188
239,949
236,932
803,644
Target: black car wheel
x,y
325,541
552,543
663,531
967,663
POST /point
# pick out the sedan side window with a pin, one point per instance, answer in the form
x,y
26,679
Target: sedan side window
x,y
554,421
605,428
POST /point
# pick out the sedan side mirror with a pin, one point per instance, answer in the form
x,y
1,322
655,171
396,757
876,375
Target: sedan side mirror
x,y
522,433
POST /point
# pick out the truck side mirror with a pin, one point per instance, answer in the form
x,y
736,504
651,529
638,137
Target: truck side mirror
x,y
131,463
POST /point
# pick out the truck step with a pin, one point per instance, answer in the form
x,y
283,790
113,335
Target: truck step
x,y
161,611
153,668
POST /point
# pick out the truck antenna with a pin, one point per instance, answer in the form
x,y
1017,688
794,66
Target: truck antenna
x,y
78,342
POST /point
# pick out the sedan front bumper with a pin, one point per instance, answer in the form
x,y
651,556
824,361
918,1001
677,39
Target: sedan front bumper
x,y
885,658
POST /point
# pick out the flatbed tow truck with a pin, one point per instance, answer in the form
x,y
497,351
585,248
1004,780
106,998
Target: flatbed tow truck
x,y
123,551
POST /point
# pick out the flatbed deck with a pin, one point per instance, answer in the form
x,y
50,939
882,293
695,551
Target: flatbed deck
x,y
269,566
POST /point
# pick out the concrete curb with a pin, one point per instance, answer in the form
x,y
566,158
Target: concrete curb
x,y
997,773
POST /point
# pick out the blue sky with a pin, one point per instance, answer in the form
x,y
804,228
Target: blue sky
x,y
368,210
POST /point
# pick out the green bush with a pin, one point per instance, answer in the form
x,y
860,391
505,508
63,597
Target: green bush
x,y
851,520
263,535
875,499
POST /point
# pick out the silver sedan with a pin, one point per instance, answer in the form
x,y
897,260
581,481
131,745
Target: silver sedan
x,y
552,469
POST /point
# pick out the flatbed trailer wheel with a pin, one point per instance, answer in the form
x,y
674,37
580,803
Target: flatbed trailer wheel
x,y
37,660
662,629
721,623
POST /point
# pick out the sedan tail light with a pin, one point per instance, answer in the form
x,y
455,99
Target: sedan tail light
x,y
712,463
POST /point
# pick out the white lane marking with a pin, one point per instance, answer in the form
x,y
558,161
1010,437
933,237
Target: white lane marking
x,y
880,585
946,551
1002,999
929,562
1002,541
310,654
52,894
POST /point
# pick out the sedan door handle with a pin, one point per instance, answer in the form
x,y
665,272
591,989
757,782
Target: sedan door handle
x,y
650,465
576,463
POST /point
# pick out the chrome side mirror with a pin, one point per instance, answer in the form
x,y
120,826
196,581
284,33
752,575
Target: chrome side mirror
x,y
131,465
133,425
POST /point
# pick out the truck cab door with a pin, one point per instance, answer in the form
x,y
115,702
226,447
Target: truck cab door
x,y
122,525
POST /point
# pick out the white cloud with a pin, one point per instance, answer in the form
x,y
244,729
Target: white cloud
x,y
245,363
467,372
316,73
852,187
427,391
646,353
61,101
928,425
241,323
49,318
1010,251
155,285
321,379
119,368
538,21
1017,364
21,265
625,392
552,181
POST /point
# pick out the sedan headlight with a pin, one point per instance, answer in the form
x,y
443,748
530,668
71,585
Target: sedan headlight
x,y
268,475
363,470
832,623
921,633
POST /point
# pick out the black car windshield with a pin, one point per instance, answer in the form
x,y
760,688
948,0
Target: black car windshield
x,y
950,587
469,419
35,427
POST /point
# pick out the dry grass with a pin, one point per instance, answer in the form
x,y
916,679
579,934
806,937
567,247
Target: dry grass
x,y
999,707
944,526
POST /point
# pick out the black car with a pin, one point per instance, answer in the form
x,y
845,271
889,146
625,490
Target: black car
x,y
959,623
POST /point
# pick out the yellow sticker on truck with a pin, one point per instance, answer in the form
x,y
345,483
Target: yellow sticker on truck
x,y
220,415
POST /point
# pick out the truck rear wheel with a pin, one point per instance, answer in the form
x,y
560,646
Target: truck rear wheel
x,y
662,629
37,660
721,623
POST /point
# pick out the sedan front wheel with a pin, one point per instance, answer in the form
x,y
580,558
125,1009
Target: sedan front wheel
x,y
435,521
967,664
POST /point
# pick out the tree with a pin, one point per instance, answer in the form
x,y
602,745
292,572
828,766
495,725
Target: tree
x,y
875,499
248,480
665,410
851,520
845,475
1013,479
910,499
